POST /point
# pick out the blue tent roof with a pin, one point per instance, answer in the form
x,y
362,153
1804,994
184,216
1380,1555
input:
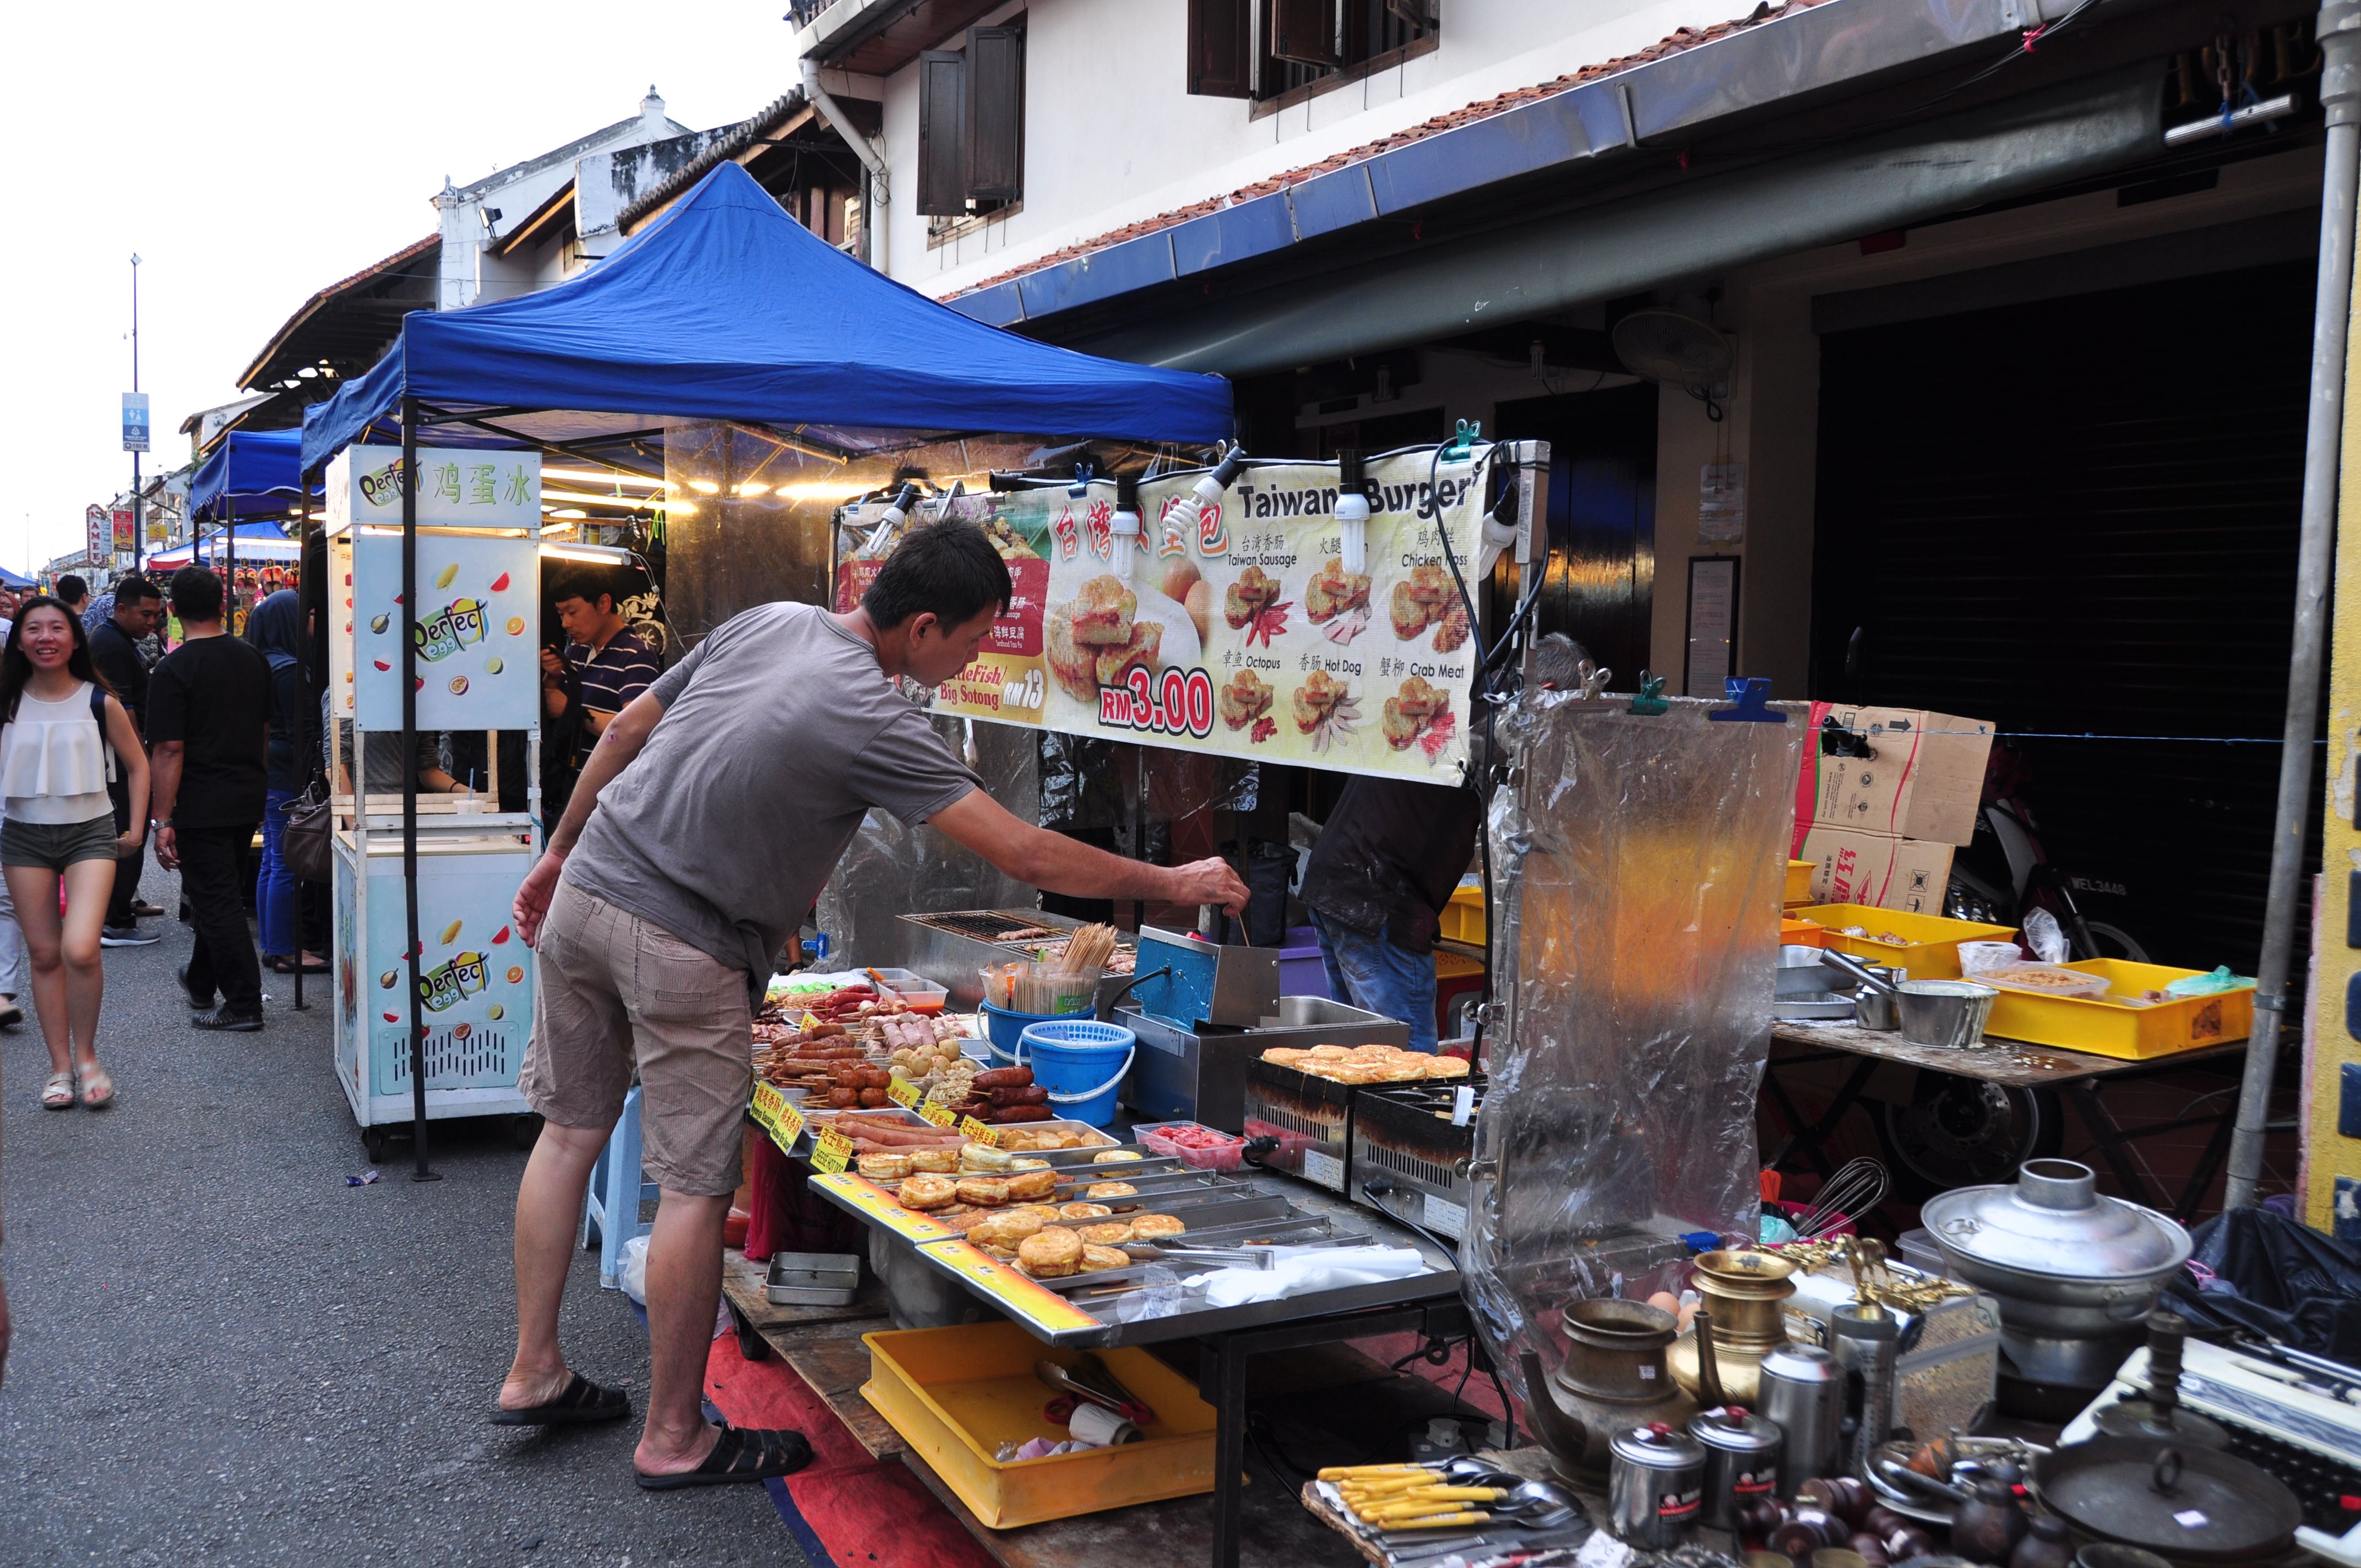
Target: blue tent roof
x,y
15,580
725,308
251,472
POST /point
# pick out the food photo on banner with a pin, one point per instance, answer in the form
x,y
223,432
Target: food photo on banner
x,y
1258,624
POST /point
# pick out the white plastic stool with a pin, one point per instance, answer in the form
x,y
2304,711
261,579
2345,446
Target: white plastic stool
x,y
610,1212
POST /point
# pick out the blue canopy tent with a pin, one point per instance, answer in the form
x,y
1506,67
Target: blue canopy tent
x,y
251,474
9,579
725,308
723,311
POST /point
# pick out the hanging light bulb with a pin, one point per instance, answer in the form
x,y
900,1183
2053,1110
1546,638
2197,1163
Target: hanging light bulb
x,y
1181,522
1353,510
1125,529
896,513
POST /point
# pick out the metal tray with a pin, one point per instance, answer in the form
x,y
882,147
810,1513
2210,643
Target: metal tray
x,y
813,1278
1092,1312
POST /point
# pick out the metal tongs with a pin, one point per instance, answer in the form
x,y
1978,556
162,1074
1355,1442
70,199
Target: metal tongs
x,y
1219,1257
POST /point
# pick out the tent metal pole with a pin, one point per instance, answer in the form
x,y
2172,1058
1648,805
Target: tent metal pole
x,y
419,1172
303,675
2339,33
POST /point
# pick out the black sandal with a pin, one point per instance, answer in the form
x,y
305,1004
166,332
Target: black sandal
x,y
582,1402
741,1453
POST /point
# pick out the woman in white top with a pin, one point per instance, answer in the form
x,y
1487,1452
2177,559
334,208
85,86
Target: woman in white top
x,y
61,736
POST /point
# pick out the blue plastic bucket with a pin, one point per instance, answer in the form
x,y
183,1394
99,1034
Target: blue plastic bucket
x,y
1005,1028
1082,1062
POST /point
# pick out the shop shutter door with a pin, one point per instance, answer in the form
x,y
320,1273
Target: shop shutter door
x,y
2077,518
1220,40
942,117
995,114
1304,32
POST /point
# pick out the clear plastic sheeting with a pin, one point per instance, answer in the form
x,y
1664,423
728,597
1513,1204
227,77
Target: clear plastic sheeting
x,y
1638,867
890,871
1091,784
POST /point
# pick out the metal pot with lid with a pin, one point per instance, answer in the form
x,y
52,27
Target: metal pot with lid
x,y
2187,1505
1741,1462
2074,1272
1655,1485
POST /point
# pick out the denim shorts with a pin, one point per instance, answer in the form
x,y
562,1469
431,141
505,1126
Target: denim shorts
x,y
57,845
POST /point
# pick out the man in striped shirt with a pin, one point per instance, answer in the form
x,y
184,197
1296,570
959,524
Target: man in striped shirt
x,y
610,662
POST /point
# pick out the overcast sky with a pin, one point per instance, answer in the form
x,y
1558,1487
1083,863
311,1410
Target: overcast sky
x,y
251,153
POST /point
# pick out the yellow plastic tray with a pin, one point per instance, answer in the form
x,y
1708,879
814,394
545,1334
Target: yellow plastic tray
x,y
2108,1029
1932,948
1799,882
1795,933
1449,965
1463,917
958,1393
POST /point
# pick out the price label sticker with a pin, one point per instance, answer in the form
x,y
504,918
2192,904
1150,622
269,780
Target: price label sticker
x,y
977,1132
902,1092
831,1151
939,1116
878,1206
812,1021
775,1115
1022,1296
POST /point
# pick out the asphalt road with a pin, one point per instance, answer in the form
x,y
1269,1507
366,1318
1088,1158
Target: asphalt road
x,y
226,1354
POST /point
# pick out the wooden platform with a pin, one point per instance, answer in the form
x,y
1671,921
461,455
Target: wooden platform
x,y
2011,1063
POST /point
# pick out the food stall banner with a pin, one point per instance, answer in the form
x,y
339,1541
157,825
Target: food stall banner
x,y
1241,634
1638,868
459,487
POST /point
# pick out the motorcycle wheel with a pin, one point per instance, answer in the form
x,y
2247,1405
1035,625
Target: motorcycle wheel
x,y
2115,942
1963,1132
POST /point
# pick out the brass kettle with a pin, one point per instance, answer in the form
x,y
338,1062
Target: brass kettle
x,y
1745,1291
1613,1378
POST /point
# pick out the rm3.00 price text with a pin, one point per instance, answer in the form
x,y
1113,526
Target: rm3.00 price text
x,y
1175,702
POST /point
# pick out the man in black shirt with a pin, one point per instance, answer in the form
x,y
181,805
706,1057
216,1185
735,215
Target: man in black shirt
x,y
208,703
115,649
1389,860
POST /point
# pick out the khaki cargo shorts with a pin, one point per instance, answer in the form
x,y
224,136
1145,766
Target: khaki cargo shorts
x,y
611,991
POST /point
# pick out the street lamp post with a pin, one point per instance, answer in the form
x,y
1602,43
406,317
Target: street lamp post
x,y
138,507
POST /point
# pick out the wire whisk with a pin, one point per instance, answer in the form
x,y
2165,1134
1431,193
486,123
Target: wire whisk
x,y
1857,1187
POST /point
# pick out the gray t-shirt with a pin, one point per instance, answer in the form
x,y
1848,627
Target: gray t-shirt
x,y
779,733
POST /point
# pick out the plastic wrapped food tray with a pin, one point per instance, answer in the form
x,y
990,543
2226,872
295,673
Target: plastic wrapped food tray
x,y
1225,1155
2044,980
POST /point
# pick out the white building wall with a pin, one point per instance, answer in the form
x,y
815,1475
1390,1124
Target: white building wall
x,y
1113,137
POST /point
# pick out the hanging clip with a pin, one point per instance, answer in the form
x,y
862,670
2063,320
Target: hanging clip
x,y
1462,445
1752,695
1590,681
1651,699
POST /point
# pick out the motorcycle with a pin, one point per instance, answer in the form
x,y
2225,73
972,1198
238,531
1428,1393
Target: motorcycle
x,y
2006,874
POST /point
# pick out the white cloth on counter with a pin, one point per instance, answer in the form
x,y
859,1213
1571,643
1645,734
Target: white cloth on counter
x,y
1298,1270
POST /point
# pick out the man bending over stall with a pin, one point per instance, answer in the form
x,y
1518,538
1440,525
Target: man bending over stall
x,y
710,813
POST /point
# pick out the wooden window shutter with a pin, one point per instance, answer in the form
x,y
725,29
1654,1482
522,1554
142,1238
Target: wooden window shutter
x,y
995,114
1305,31
1221,44
942,131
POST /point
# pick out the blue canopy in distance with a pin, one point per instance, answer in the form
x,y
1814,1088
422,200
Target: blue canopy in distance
x,y
250,473
725,308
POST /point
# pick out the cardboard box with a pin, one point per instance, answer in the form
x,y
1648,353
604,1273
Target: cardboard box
x,y
1877,869
1923,779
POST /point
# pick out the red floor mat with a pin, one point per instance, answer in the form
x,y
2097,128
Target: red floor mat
x,y
858,1509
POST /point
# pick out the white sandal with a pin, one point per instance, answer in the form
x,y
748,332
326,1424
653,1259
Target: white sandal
x,y
58,1093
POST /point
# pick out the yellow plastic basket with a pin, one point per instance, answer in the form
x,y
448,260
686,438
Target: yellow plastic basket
x,y
1930,948
958,1393
1463,917
2108,1029
1799,882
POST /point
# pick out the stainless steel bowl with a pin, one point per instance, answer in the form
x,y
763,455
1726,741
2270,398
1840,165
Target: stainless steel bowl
x,y
1943,1011
1801,972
